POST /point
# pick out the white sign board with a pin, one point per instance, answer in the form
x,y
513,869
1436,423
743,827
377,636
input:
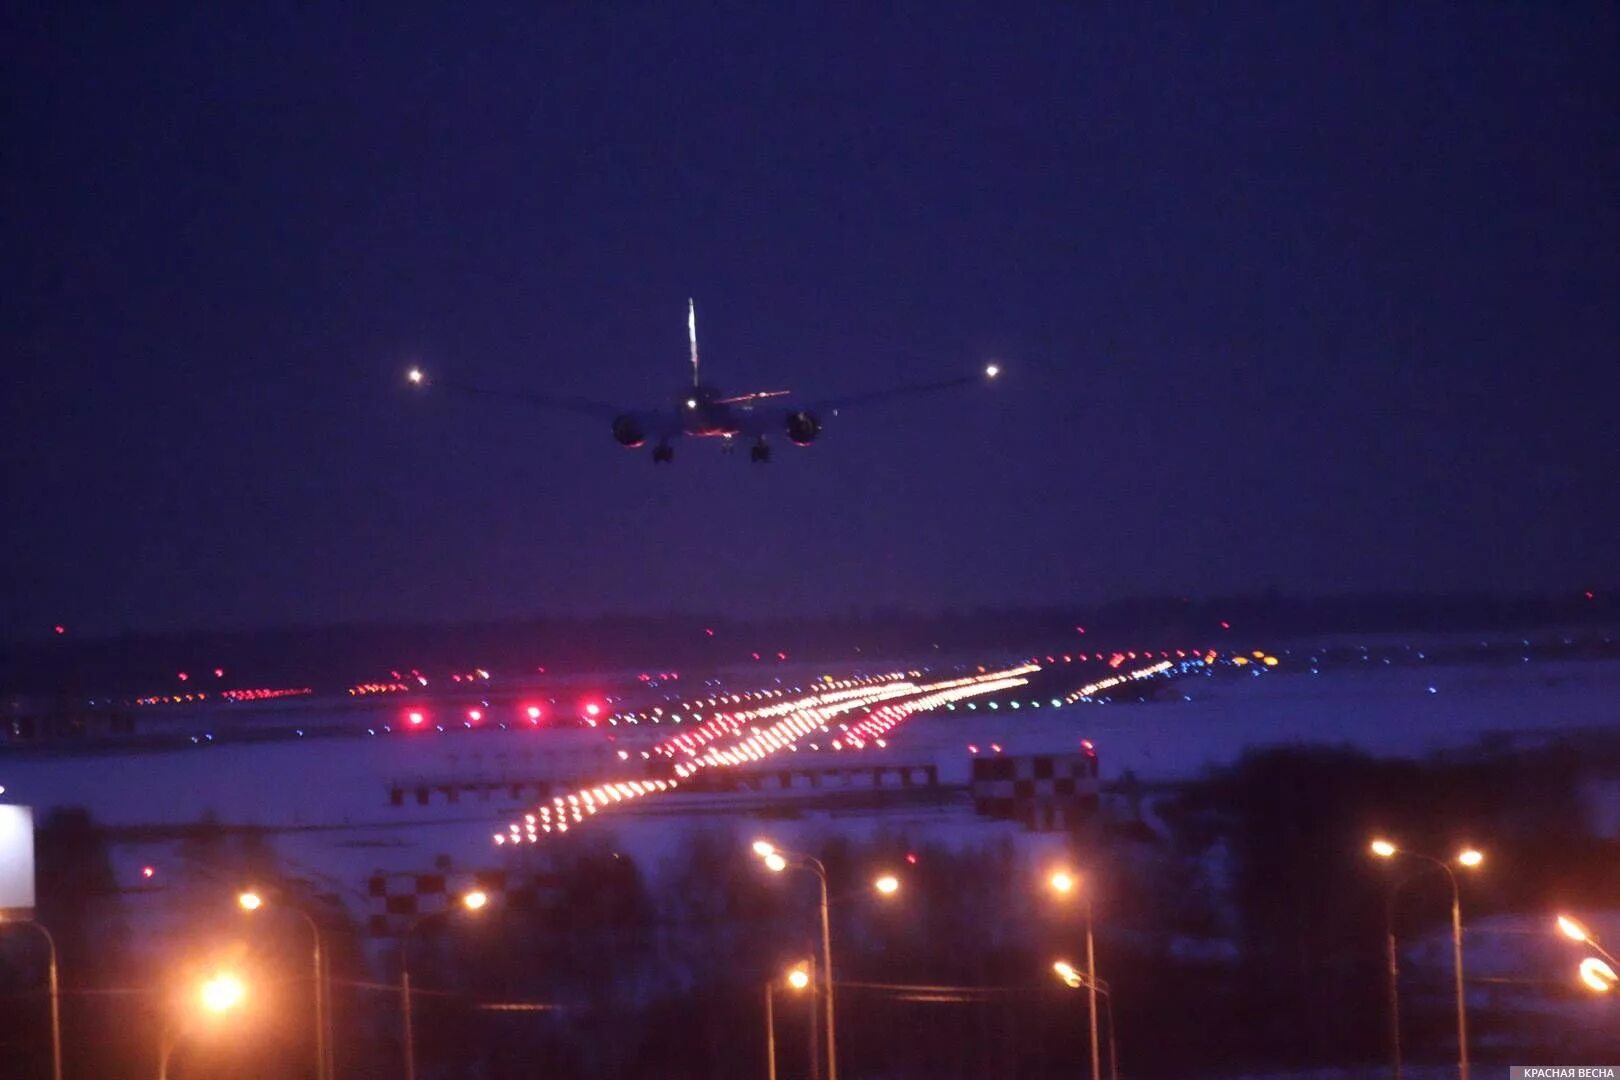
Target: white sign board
x,y
16,860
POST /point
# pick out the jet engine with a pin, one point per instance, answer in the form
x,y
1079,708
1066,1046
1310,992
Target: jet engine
x,y
803,427
628,432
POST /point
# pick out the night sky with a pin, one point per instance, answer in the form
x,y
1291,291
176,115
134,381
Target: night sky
x,y
1297,297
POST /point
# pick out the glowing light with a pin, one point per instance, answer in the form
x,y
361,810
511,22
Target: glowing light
x,y
1383,849
474,900
798,978
415,376
146,871
1572,929
60,629
475,715
888,884
1062,881
775,862
992,370
592,709
763,848
691,403
1067,972
416,719
222,993
533,712
1470,857
1597,975
182,676
250,901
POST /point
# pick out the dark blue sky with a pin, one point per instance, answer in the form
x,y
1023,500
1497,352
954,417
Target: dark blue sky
x,y
1320,298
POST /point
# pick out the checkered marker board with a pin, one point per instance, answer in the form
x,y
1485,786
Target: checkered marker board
x,y
398,900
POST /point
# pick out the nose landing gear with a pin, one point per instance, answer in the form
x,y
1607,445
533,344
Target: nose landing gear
x,y
663,452
760,452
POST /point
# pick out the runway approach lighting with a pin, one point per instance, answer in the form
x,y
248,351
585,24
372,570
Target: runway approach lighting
x,y
1597,975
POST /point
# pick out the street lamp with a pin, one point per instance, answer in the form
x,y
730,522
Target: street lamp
x,y
222,993
1581,935
53,986
1468,857
1597,975
798,978
250,901
777,861
473,900
887,885
1074,979
1064,882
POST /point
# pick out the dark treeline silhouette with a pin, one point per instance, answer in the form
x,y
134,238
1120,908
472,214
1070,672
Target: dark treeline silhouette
x,y
332,657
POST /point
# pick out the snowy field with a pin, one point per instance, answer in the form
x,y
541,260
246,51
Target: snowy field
x,y
327,799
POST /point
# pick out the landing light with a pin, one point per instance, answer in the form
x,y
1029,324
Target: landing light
x,y
415,376
691,403
992,370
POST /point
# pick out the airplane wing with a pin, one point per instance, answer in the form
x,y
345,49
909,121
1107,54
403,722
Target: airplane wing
x,y
582,406
873,397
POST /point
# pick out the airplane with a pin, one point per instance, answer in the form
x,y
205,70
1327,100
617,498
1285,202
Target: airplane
x,y
703,411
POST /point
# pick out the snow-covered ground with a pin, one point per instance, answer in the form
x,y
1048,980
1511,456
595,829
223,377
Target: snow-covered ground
x,y
328,798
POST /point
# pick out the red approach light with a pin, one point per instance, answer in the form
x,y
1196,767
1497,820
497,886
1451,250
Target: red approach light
x,y
972,749
182,676
1085,744
1225,625
455,678
911,857
533,712
708,631
756,656
219,673
781,656
148,872
396,675
1590,595
996,747
60,629
1079,629
475,715
644,677
416,719
540,670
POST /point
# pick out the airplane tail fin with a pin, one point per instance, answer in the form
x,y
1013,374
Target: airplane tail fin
x,y
691,333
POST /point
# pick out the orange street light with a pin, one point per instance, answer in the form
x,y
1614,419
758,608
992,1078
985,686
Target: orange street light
x,y
1598,976
798,978
1074,979
222,993
473,900
775,863
250,901
1572,929
762,848
1061,881
1471,858
1064,882
887,885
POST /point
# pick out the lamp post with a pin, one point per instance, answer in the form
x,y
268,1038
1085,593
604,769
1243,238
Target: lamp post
x,y
221,994
778,861
797,978
54,990
1075,979
1468,857
475,900
1063,883
250,901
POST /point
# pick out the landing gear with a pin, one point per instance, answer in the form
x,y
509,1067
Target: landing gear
x,y
663,452
760,452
